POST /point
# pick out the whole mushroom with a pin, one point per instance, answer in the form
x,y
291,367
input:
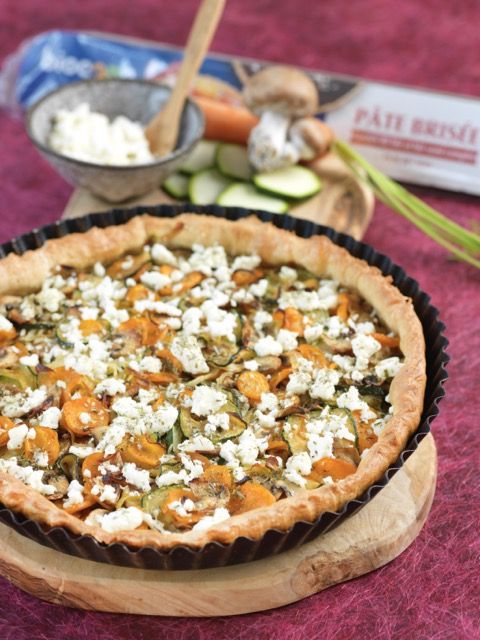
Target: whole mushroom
x,y
279,95
311,137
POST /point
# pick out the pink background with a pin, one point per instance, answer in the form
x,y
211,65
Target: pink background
x,y
432,590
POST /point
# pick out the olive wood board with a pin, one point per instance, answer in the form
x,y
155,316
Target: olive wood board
x,y
371,538
344,203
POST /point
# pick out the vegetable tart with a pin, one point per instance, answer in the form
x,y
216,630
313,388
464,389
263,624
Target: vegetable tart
x,y
192,379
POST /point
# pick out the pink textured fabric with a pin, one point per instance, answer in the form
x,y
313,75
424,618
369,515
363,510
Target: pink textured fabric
x,y
433,589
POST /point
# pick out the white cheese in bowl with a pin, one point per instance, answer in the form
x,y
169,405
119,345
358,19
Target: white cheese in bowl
x,y
90,136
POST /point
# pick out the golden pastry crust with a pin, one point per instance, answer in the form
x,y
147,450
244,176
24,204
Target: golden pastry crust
x,y
26,273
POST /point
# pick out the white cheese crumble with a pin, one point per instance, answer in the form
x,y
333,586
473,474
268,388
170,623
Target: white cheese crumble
x,y
351,400
288,339
50,418
251,365
110,386
219,515
207,400
246,262
139,478
90,136
30,361
364,347
297,466
217,422
123,519
5,324
161,255
27,475
187,349
323,386
268,346
74,494
154,280
16,436
388,368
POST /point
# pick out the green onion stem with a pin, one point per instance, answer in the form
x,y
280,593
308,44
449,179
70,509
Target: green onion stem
x,y
444,231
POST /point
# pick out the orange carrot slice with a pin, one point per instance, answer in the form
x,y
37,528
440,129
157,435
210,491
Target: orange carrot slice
x,y
250,496
336,468
226,122
392,342
252,384
5,425
81,415
143,453
45,440
293,320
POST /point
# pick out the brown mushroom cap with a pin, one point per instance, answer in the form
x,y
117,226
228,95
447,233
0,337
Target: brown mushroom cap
x,y
281,89
316,134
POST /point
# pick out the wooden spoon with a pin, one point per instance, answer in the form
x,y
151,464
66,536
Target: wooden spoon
x,y
162,130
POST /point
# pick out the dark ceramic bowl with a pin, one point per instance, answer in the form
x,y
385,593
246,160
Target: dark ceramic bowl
x,y
138,100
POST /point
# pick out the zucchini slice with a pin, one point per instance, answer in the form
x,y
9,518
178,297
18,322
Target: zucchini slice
x,y
202,157
176,186
205,186
21,376
71,466
245,195
153,502
295,433
292,182
232,160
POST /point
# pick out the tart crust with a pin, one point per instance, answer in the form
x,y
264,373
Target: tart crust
x,y
25,274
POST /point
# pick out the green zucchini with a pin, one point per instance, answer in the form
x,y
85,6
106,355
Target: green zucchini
x,y
20,376
220,353
205,186
71,466
241,194
202,157
232,160
153,502
191,426
65,344
295,433
173,438
176,186
291,182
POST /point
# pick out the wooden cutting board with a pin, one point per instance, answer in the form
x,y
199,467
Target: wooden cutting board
x,y
345,203
368,540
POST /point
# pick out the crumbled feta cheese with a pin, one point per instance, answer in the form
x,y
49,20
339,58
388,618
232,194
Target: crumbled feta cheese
x,y
49,297
187,349
123,519
364,347
352,401
261,318
161,255
207,400
162,308
217,422
288,339
50,418
251,365
219,322
99,270
150,364
298,383
30,361
197,443
246,262
74,494
259,289
182,507
27,475
81,451
191,321
110,386
16,436
139,478
388,368
323,386
219,515
207,259
5,324
19,404
314,332
155,280
287,274
306,300
268,346
89,313
108,494
297,466
320,446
